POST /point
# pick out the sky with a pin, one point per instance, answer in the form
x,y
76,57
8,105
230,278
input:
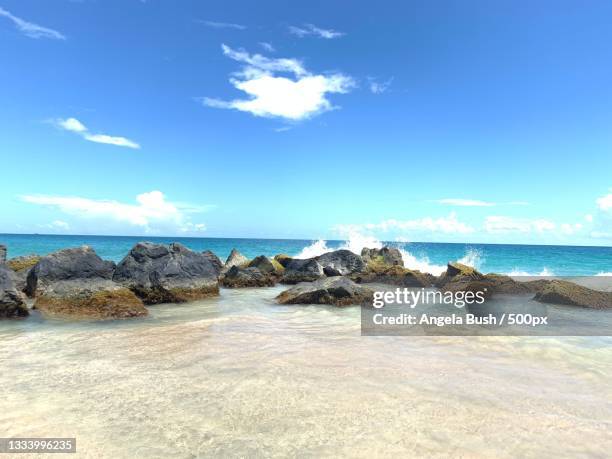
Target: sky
x,y
438,121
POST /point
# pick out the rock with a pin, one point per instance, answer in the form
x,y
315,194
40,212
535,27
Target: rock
x,y
22,263
78,299
337,291
78,283
246,277
457,272
11,301
235,258
264,264
167,274
20,268
283,259
386,255
76,264
2,253
214,259
393,275
568,293
302,271
337,263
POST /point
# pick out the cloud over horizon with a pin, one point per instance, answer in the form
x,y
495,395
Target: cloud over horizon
x,y
74,125
30,29
152,212
296,95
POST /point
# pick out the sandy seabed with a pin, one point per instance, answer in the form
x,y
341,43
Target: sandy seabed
x,y
240,376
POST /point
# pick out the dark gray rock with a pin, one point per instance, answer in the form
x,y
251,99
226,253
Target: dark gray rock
x,y
76,264
214,259
11,301
78,283
2,253
332,264
167,274
337,291
307,270
246,277
386,255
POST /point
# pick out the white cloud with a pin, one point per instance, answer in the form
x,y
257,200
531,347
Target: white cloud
x,y
312,30
223,25
56,225
30,29
502,224
298,96
74,125
465,202
605,202
589,218
449,224
152,212
379,87
267,46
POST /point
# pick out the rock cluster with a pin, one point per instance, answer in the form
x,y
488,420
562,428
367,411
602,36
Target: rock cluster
x,y
330,264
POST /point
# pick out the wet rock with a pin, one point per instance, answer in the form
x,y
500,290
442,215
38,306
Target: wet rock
x,y
246,277
337,291
302,271
386,255
167,274
568,293
78,283
11,301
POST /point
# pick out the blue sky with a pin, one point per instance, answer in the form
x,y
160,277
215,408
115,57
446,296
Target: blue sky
x,y
425,121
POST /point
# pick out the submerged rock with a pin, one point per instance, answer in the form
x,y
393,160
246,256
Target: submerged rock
x,y
235,258
78,283
167,274
11,301
568,293
337,263
386,255
246,277
337,291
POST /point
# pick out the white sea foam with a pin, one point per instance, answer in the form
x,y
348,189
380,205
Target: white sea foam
x,y
604,274
356,242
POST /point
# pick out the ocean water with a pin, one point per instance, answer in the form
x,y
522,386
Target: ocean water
x,y
240,376
428,257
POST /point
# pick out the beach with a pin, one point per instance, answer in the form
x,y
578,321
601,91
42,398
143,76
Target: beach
x,y
238,375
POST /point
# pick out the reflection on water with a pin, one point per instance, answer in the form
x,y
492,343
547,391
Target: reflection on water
x,y
241,376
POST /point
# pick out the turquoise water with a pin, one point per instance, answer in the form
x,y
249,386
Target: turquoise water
x,y
431,257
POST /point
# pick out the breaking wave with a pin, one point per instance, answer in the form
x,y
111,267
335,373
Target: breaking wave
x,y
544,273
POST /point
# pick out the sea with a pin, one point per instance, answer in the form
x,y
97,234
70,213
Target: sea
x,y
512,259
239,375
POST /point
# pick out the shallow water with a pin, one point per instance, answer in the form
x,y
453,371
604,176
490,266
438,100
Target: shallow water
x,y
240,376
